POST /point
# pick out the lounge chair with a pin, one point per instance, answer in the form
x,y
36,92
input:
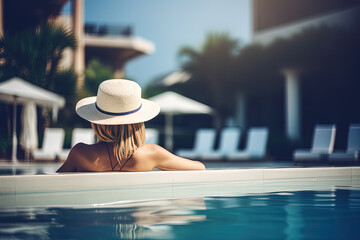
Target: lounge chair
x,y
151,136
84,135
353,147
255,145
204,142
52,144
322,145
229,141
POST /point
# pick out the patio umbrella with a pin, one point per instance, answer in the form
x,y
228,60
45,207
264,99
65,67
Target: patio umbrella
x,y
172,103
18,91
29,136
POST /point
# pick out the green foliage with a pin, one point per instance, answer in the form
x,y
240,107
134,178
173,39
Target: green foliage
x,y
5,144
150,91
34,54
95,73
213,70
64,83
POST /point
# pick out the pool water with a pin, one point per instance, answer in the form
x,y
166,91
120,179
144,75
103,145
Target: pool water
x,y
324,214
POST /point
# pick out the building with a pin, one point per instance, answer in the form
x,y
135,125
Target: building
x,y
273,19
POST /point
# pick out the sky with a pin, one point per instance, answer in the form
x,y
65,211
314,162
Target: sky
x,y
169,25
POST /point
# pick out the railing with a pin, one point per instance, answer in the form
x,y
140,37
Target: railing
x,y
103,30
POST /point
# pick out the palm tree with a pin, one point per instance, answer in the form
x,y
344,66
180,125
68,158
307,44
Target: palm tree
x,y
95,73
213,68
35,54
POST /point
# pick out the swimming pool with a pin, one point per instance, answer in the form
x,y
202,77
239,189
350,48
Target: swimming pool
x,y
325,214
289,203
28,168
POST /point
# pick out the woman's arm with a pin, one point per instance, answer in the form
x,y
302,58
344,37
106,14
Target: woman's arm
x,y
165,160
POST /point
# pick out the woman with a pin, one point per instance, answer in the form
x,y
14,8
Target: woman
x,y
117,115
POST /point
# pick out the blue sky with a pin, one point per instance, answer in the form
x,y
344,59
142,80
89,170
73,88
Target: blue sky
x,y
171,24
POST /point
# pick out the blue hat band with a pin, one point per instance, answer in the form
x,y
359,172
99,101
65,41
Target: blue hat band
x,y
117,114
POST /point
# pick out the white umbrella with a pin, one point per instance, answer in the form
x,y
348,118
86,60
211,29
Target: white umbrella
x,y
173,103
18,91
29,136
23,92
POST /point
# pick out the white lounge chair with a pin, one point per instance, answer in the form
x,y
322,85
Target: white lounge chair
x,y
353,147
84,135
204,142
52,144
151,136
229,141
322,145
255,145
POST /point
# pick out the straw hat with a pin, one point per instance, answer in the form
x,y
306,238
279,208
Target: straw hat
x,y
118,101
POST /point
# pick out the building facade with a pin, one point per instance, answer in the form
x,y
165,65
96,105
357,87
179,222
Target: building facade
x,y
282,19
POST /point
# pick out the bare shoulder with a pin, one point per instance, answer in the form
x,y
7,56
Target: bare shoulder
x,y
76,158
81,147
79,150
86,152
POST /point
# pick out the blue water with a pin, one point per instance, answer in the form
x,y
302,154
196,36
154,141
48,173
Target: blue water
x,y
332,214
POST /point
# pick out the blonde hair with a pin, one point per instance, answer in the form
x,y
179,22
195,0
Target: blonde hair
x,y
126,138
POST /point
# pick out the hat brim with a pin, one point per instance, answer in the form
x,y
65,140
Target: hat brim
x,y
86,109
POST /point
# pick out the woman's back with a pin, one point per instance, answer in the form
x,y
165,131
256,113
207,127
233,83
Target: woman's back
x,y
99,157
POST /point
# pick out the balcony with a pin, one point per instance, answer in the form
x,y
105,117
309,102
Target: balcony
x,y
114,45
107,30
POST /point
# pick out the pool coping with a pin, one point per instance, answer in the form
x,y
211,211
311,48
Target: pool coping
x,y
47,189
82,181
